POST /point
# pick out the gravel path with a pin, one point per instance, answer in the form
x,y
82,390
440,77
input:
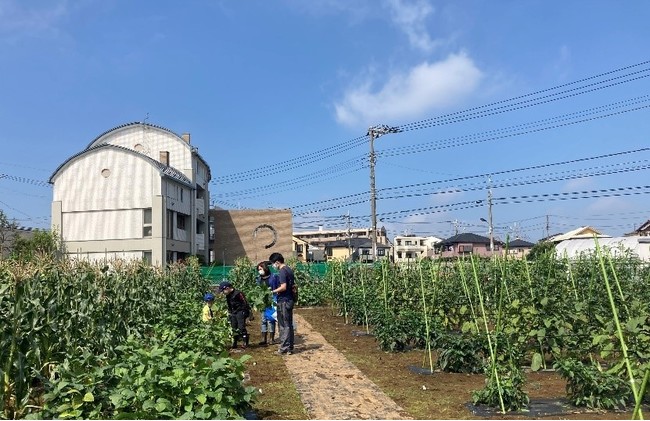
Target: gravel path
x,y
330,386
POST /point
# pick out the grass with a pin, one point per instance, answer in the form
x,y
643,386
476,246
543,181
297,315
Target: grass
x,y
279,399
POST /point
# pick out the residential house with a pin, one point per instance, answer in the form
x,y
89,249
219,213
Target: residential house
x,y
355,249
578,233
137,191
300,249
9,234
467,243
643,230
519,248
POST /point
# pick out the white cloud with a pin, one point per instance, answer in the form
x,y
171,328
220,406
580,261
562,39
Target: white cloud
x,y
578,184
606,205
411,94
22,17
410,18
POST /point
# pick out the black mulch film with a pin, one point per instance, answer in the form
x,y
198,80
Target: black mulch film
x,y
536,408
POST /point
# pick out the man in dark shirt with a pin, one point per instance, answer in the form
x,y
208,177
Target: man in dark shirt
x,y
285,303
238,312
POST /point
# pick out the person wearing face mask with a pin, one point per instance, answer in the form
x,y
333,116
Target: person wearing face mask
x,y
285,303
269,314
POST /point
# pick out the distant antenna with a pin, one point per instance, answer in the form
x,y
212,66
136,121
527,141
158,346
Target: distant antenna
x,y
146,117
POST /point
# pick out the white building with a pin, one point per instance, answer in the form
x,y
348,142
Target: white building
x,y
410,247
137,191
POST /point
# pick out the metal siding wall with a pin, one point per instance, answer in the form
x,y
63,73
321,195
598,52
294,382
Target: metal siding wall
x,y
100,257
102,225
155,140
81,186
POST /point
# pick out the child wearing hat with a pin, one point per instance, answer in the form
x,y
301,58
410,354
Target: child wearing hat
x,y
238,312
207,314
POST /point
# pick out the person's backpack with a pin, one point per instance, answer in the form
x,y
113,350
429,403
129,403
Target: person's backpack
x,y
294,292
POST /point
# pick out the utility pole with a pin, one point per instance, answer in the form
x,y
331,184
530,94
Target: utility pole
x,y
490,214
547,228
349,238
375,132
489,220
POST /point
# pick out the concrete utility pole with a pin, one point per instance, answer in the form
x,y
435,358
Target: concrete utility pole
x,y
375,132
490,214
489,220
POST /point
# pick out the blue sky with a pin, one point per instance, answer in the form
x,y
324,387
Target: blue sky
x,y
269,90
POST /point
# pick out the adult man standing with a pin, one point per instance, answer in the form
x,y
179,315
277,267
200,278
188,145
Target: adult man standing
x,y
285,303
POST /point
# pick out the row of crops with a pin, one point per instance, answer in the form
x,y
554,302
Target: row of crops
x,y
88,341
589,319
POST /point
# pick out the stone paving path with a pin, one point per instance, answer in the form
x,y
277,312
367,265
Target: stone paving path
x,y
330,386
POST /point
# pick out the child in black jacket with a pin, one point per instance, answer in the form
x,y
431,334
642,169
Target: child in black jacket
x,y
238,312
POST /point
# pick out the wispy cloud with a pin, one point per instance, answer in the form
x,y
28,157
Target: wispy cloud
x,y
578,184
410,18
409,95
609,205
19,18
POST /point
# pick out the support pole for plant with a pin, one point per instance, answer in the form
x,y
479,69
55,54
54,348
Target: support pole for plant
x,y
619,330
493,357
426,317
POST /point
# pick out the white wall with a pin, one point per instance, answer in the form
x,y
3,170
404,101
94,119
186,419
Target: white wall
x,y
82,187
103,225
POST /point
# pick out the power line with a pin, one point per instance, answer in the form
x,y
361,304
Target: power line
x,y
472,113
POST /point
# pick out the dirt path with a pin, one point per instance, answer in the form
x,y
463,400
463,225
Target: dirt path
x,y
330,386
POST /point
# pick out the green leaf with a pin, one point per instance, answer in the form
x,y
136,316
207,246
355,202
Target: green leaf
x,y
88,397
537,361
202,399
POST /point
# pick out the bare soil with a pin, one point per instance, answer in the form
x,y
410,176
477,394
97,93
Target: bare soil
x,y
338,372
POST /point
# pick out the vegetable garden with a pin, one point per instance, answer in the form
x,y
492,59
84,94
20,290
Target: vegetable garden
x,y
588,318
80,340
97,342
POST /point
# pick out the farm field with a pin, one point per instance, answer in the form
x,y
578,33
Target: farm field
x,y
441,395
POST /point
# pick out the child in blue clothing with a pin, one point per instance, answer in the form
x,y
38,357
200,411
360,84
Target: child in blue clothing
x,y
269,316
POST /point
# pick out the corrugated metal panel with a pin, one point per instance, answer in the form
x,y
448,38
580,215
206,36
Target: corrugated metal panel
x,y
102,225
100,257
100,180
154,141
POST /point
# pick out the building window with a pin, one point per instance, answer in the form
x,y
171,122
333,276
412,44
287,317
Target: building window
x,y
298,248
365,252
399,254
399,242
465,248
146,256
146,222
409,255
381,252
180,221
407,243
329,252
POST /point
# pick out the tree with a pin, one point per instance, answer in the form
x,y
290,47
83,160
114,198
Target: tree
x,y
541,249
8,234
42,243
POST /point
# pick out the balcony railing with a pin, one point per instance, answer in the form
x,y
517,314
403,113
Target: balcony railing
x,y
200,241
200,207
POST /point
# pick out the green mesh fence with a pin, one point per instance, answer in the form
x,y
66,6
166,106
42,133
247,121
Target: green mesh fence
x,y
217,273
